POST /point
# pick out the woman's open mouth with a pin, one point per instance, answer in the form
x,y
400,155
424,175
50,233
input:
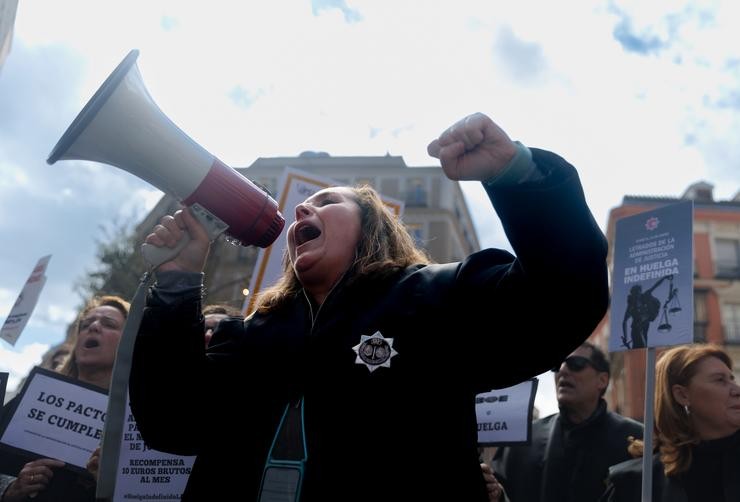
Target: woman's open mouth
x,y
305,232
91,343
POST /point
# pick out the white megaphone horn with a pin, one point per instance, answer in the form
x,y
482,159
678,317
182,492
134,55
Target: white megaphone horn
x,y
122,126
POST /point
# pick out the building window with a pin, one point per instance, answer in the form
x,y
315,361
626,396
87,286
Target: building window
x,y
728,258
417,232
731,322
416,192
700,316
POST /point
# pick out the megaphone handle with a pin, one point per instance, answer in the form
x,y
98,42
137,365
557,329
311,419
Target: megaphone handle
x,y
155,256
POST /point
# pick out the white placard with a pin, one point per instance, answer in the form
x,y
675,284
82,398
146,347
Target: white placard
x,y
57,418
146,474
296,186
505,415
25,303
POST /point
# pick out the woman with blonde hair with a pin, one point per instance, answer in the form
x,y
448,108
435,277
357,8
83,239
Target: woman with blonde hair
x,y
98,330
697,424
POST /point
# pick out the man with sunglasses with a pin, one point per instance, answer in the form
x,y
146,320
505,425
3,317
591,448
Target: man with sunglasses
x,y
570,453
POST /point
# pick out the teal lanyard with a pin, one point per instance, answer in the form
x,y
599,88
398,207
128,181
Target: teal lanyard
x,y
285,467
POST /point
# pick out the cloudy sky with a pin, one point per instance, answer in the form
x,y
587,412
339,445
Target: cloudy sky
x,y
643,97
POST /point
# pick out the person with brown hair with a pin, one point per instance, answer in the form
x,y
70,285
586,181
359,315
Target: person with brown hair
x,y
214,314
99,328
55,358
374,352
697,427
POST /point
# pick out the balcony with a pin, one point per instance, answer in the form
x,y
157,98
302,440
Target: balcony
x,y
700,332
728,270
732,333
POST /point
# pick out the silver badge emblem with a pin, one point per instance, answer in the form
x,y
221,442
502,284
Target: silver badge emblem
x,y
374,351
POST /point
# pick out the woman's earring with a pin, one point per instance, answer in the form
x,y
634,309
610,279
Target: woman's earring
x,y
686,409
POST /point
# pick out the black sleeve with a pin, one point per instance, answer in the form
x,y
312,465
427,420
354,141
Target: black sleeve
x,y
609,494
186,399
499,465
624,482
537,307
168,389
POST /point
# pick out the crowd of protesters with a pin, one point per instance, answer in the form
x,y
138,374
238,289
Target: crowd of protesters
x,y
363,329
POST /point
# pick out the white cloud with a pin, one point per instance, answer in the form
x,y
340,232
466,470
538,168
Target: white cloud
x,y
364,77
141,201
57,314
19,363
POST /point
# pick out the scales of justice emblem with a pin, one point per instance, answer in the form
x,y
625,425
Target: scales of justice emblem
x,y
374,351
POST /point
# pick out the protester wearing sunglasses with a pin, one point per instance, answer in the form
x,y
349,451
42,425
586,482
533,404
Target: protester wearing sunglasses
x,y
577,363
570,453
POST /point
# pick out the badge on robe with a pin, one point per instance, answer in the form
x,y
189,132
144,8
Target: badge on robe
x,y
374,351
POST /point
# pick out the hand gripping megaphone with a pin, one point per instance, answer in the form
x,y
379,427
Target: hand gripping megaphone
x,y
122,126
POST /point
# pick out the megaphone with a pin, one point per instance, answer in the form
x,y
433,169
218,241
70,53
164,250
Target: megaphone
x,y
122,126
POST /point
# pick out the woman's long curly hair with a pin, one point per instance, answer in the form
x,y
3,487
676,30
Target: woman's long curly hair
x,y
385,247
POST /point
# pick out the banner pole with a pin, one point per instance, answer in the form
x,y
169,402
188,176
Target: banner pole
x,y
115,416
647,453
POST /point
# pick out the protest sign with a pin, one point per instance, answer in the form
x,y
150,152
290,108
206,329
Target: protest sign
x,y
56,417
505,415
59,417
25,303
147,474
652,295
